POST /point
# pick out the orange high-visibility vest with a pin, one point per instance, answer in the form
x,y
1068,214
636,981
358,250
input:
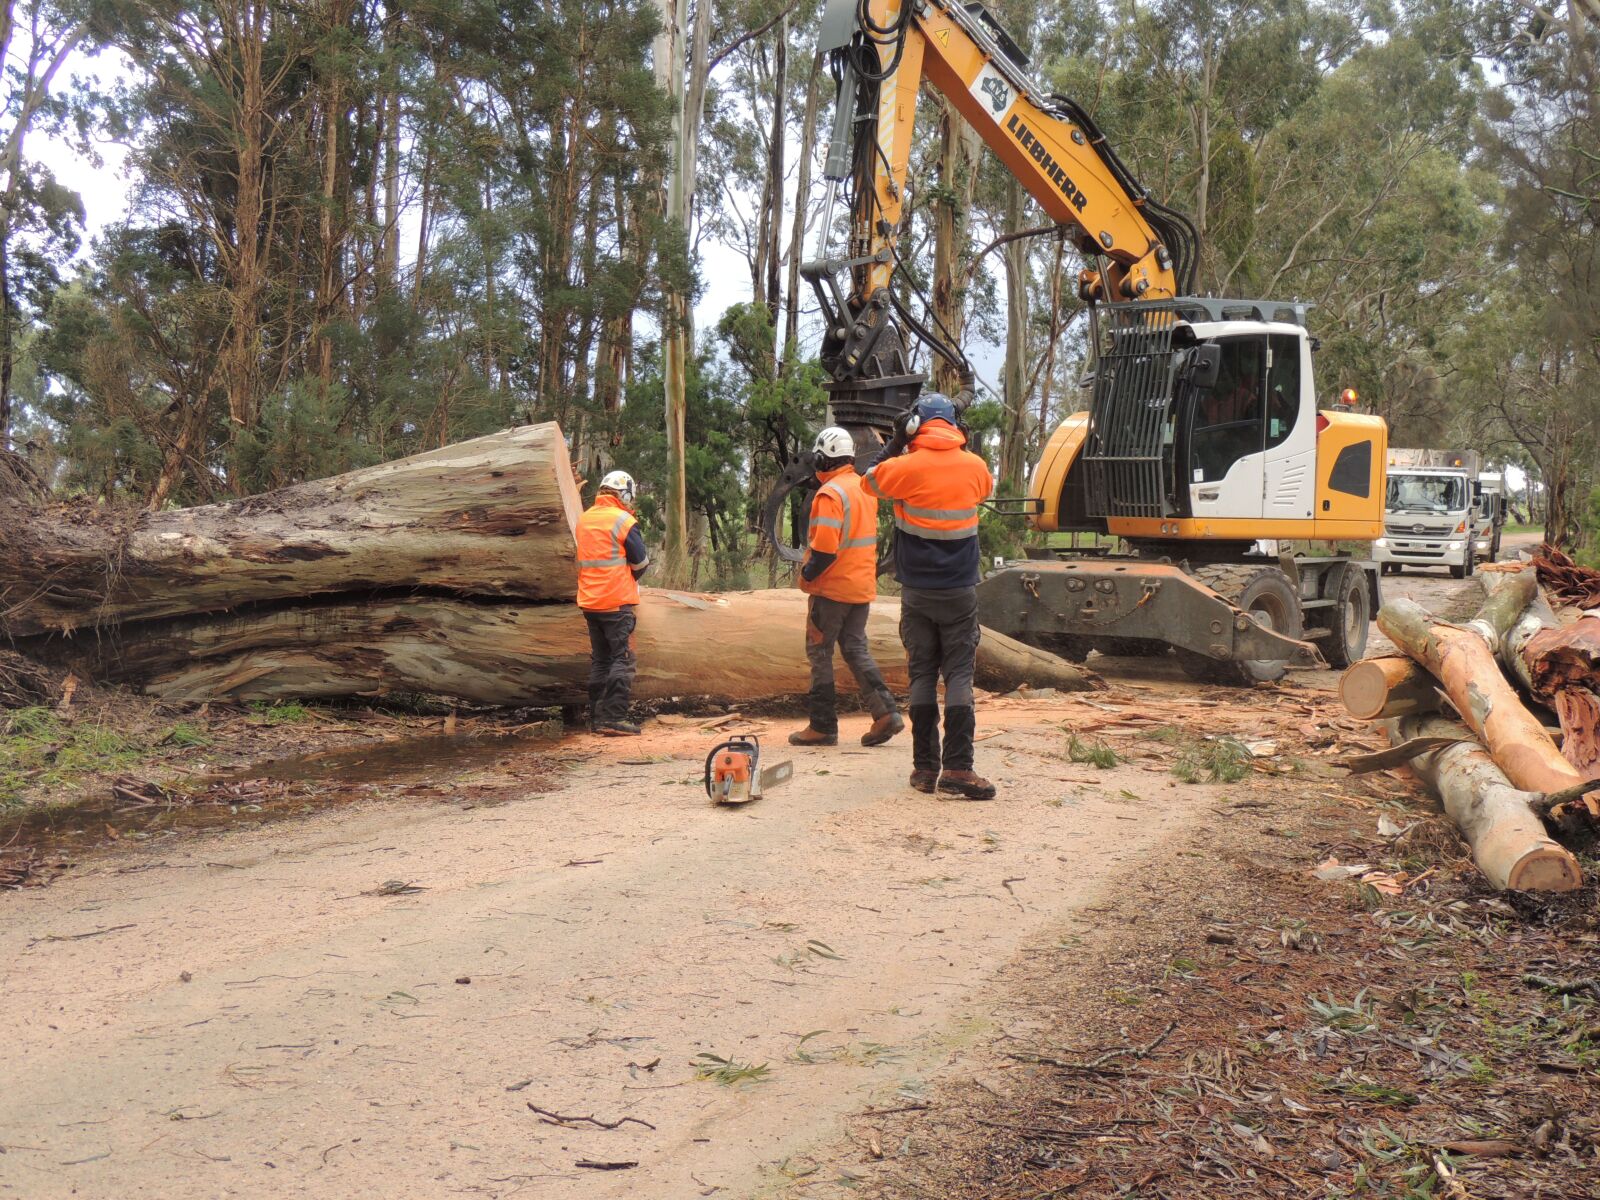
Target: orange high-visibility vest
x,y
936,486
844,522
605,582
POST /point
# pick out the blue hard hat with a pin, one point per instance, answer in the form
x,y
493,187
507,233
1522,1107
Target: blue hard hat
x,y
935,406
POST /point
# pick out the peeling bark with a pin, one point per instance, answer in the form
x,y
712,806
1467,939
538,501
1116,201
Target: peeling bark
x,y
488,517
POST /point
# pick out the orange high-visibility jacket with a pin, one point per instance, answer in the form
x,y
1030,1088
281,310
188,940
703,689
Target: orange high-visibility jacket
x,y
844,523
605,581
936,487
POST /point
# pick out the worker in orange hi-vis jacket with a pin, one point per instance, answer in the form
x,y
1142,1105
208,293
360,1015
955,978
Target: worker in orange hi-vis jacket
x,y
840,574
936,485
611,557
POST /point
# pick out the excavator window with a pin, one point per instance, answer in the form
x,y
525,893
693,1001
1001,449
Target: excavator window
x,y
1228,419
1283,388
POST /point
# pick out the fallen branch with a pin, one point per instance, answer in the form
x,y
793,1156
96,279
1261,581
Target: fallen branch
x,y
548,1117
1507,836
1565,987
1462,659
1097,1066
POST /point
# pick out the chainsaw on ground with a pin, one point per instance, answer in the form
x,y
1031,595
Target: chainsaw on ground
x,y
734,774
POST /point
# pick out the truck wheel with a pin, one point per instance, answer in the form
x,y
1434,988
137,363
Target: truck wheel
x,y
1268,596
1349,619
1390,568
1464,568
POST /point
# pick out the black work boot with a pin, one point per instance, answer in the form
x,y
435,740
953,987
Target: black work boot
x,y
617,727
957,778
924,746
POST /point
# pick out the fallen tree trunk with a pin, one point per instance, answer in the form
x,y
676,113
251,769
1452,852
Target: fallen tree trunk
x,y
488,517
1463,660
1563,668
1390,686
1508,839
732,647
1559,665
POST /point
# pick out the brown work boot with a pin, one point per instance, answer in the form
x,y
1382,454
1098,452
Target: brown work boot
x,y
966,784
884,728
812,737
925,781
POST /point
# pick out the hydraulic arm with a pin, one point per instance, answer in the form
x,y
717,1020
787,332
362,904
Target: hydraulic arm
x,y
880,53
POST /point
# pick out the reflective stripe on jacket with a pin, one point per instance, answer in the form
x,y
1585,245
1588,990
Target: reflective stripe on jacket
x,y
936,486
844,523
605,581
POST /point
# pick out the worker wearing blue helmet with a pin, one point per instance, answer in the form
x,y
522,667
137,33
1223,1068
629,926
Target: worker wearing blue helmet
x,y
936,485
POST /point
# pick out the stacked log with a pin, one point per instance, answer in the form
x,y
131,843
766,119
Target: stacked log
x,y
449,573
1494,767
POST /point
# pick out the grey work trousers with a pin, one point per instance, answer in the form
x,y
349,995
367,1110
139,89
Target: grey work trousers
x,y
831,623
611,663
940,631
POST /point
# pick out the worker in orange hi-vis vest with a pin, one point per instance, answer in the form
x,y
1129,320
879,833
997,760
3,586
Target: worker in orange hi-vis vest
x,y
611,557
936,485
840,574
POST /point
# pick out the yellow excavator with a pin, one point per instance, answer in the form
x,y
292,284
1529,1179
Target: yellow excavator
x,y
1202,450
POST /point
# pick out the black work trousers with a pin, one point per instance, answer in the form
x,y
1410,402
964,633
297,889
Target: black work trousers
x,y
831,623
611,663
940,630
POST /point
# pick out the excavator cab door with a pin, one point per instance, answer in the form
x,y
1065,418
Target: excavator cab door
x,y
1227,434
1289,472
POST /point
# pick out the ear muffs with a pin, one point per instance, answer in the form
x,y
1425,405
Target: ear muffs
x,y
913,423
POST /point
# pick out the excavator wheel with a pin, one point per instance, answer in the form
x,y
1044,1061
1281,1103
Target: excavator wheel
x,y
1270,597
1348,620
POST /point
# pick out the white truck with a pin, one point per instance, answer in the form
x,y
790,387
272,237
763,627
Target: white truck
x,y
1441,510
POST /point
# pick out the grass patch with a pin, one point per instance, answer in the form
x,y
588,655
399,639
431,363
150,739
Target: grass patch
x,y
728,1072
1221,760
281,714
39,748
1096,754
187,734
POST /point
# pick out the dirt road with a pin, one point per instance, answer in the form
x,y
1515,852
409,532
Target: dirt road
x,y
247,1013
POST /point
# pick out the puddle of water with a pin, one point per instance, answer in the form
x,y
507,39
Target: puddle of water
x,y
276,789
397,761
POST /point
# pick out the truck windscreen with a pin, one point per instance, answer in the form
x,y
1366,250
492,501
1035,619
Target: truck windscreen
x,y
1427,493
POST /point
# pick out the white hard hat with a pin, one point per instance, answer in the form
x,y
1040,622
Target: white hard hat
x,y
619,482
834,442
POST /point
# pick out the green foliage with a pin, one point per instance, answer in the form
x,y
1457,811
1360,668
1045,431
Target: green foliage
x,y
281,714
1213,760
1097,754
38,747
728,1071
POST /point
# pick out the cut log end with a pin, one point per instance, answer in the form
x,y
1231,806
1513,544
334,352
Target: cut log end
x,y
1391,686
1545,869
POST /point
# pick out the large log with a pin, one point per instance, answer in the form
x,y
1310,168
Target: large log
x,y
1463,660
731,647
1559,665
1388,686
488,517
1508,839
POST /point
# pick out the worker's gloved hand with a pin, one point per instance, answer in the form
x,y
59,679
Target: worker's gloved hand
x,y
900,440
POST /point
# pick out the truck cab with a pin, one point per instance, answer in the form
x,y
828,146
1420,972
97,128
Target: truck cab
x,y
1431,512
1489,513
